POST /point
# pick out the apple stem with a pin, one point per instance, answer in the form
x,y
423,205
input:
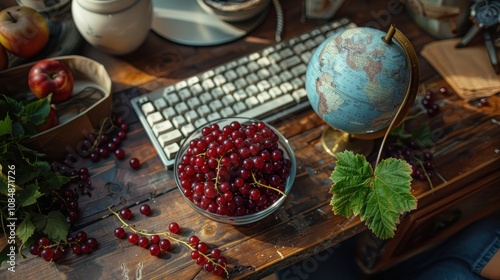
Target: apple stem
x,y
12,17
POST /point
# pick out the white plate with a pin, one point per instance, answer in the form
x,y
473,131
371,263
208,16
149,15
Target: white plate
x,y
185,22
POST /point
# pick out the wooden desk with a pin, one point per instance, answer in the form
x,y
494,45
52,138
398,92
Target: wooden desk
x,y
466,155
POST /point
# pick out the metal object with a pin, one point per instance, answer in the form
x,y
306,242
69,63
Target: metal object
x,y
485,14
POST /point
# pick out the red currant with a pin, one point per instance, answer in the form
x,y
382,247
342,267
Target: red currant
x,y
174,227
133,238
126,213
135,163
154,249
145,209
119,153
164,244
119,233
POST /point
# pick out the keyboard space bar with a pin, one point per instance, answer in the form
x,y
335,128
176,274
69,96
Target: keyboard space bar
x,y
269,108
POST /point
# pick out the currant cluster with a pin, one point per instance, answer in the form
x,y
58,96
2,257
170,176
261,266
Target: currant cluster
x,y
235,170
421,161
210,259
428,102
80,243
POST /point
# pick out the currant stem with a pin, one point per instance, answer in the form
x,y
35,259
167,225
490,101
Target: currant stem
x,y
266,186
420,163
166,234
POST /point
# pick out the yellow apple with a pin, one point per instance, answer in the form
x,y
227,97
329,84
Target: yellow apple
x,y
23,30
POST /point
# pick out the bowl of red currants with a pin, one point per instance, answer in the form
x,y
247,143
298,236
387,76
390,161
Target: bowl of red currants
x,y
235,170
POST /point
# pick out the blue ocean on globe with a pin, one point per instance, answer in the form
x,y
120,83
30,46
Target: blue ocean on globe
x,y
356,82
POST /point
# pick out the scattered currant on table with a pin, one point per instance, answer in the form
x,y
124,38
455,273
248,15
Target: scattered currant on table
x,y
428,102
79,244
211,260
246,169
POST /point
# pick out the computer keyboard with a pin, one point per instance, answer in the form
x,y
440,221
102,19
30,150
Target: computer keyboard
x,y
268,85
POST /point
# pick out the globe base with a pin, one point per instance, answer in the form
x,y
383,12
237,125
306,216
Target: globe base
x,y
335,141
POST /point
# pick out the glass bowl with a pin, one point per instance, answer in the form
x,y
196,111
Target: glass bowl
x,y
187,183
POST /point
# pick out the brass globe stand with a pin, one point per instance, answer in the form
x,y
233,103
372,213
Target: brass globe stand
x,y
335,141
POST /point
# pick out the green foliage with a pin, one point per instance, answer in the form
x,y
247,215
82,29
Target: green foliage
x,y
30,175
379,197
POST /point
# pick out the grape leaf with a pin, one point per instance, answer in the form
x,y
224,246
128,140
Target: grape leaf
x,y
378,197
25,229
423,136
37,111
6,126
53,224
29,194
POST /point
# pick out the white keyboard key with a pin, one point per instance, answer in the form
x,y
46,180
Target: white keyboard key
x,y
263,97
252,90
147,108
193,103
171,150
172,99
215,105
227,112
217,93
252,101
214,116
193,80
184,94
191,116
188,129
240,83
265,109
170,137
242,70
205,98
208,84
181,108
240,95
228,100
200,122
203,110
230,75
228,88
179,121
154,118
219,79
168,113
196,89
239,107
300,95
160,104
162,127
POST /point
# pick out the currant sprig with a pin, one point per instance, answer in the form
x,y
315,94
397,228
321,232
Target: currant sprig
x,y
80,243
211,261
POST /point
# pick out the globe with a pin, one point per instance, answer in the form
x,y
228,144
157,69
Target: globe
x,y
358,79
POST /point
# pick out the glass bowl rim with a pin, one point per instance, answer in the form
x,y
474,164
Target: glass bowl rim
x,y
284,144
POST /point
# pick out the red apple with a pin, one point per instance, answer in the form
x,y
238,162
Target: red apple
x,y
23,30
51,76
4,59
50,121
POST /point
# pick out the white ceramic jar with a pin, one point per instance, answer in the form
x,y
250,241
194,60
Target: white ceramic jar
x,y
117,27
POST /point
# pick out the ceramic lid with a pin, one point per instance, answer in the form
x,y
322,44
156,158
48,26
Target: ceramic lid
x,y
106,6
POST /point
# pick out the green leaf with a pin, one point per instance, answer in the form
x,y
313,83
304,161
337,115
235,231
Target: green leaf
x,y
6,126
54,225
15,107
37,111
55,181
29,194
423,135
378,197
25,229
